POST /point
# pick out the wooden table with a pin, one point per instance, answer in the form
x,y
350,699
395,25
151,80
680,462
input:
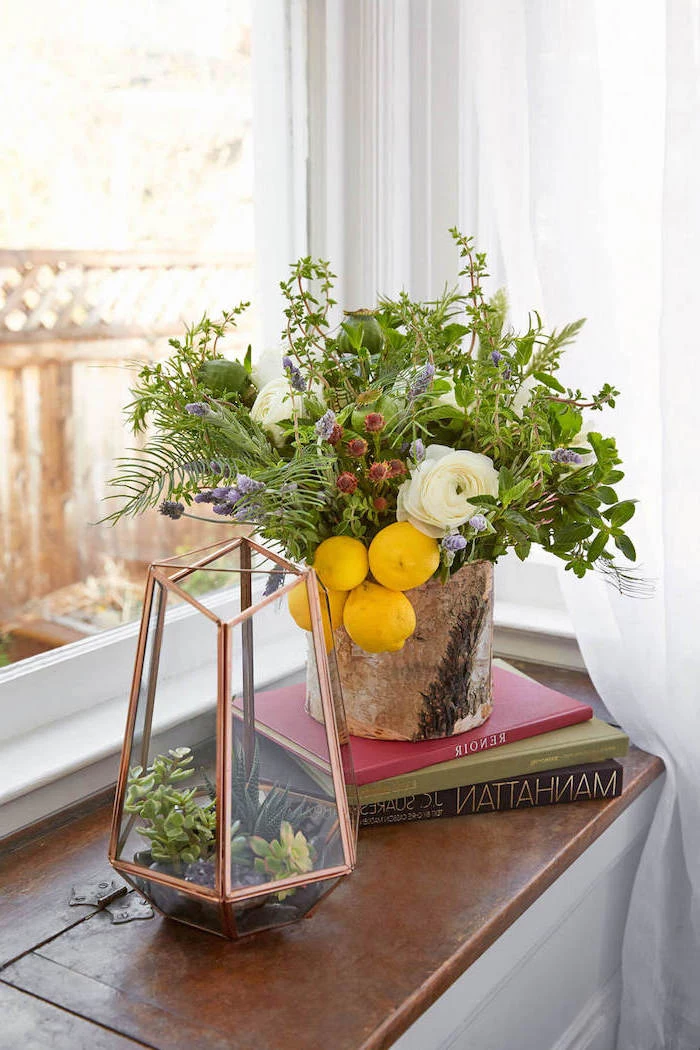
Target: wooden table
x,y
424,903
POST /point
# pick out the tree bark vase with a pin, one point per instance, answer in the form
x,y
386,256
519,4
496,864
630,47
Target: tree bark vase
x,y
439,684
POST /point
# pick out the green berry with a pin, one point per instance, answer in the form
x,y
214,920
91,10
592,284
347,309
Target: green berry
x,y
367,323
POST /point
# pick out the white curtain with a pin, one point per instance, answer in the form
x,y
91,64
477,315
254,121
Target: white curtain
x,y
585,125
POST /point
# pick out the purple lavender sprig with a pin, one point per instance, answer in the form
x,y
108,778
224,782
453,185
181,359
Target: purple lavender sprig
x,y
565,455
324,426
416,450
477,522
171,509
294,374
274,581
198,408
422,381
453,542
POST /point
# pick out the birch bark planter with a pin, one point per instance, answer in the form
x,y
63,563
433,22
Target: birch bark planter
x,y
440,682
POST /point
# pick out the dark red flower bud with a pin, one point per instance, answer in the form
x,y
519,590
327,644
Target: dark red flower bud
x,y
374,422
379,471
380,504
336,434
396,467
347,482
357,447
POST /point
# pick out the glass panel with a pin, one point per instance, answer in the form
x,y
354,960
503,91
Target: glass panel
x,y
127,183
177,904
217,584
263,914
284,808
168,822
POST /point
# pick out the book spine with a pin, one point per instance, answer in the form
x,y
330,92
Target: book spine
x,y
494,767
480,740
573,784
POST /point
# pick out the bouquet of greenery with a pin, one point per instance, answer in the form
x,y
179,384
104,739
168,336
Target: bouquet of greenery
x,y
414,438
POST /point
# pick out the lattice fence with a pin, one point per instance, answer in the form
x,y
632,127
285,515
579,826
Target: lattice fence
x,y
69,323
50,295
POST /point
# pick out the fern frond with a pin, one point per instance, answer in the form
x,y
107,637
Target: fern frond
x,y
160,468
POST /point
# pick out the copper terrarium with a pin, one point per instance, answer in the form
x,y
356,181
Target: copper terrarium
x,y
223,819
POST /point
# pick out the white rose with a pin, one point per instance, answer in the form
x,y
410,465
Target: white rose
x,y
435,500
273,404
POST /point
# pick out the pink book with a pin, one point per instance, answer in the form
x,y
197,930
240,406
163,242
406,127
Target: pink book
x,y
521,708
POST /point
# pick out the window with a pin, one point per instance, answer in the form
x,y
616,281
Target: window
x,y
152,168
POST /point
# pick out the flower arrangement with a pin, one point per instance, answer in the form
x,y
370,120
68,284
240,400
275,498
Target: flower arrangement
x,y
407,441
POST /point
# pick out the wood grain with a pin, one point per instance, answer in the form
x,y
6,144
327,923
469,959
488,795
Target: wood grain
x,y
424,903
31,1024
36,882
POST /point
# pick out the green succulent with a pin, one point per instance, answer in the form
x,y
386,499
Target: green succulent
x,y
290,854
257,813
180,829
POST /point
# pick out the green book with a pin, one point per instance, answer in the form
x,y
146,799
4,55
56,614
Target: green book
x,y
592,741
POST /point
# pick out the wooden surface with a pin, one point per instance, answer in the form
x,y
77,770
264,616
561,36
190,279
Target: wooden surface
x,y
425,901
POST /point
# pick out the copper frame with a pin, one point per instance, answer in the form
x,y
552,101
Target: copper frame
x,y
223,893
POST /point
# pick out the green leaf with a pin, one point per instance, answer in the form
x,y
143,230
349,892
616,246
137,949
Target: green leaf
x,y
620,514
624,544
522,549
572,534
454,332
606,494
549,381
483,501
524,352
506,481
597,546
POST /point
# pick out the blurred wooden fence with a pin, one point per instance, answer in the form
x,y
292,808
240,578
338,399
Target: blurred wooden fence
x,y
69,323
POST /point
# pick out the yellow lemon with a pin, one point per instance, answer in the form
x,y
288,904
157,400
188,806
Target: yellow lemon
x,y
341,563
377,619
401,557
298,604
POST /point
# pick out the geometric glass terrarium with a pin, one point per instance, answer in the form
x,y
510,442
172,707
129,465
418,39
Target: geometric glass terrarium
x,y
228,816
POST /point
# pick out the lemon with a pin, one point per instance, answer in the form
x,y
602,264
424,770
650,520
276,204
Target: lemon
x,y
377,619
341,563
298,604
401,557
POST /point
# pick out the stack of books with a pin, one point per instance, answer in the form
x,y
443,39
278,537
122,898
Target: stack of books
x,y
539,747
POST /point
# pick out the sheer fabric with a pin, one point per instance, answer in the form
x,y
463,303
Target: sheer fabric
x,y
583,122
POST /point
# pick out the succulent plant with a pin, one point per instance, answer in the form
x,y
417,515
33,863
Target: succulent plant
x,y
180,829
258,813
290,854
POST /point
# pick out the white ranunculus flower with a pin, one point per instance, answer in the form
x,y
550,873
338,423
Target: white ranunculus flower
x,y
273,404
581,441
435,499
448,396
523,395
268,366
